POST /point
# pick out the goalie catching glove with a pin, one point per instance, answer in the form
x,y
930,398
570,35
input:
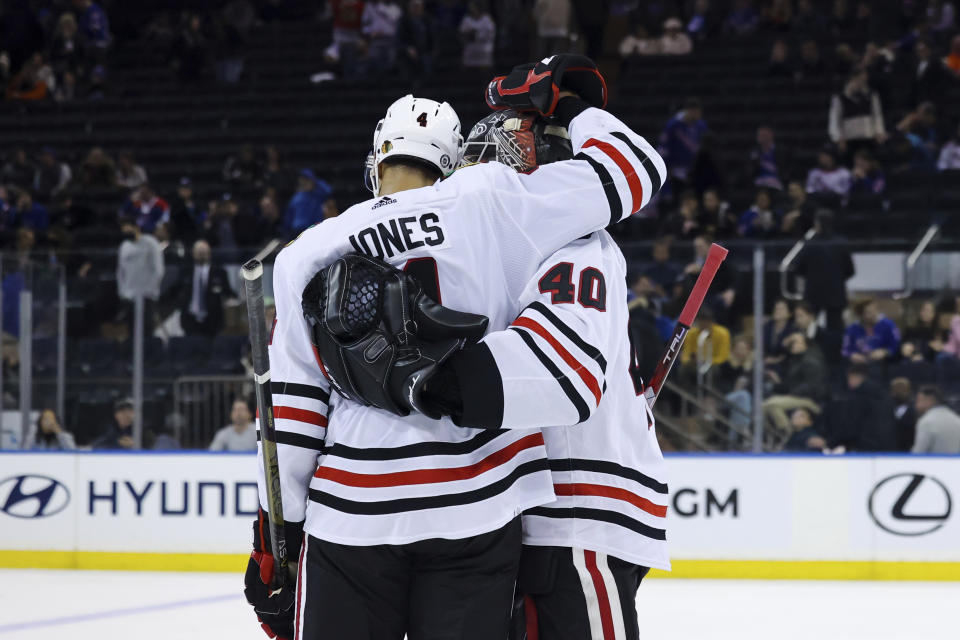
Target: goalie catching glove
x,y
536,87
379,338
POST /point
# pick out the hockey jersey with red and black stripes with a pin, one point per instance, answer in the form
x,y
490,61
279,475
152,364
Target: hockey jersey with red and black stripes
x,y
363,476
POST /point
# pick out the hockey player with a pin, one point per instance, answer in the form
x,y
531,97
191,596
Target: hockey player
x,y
410,523
584,555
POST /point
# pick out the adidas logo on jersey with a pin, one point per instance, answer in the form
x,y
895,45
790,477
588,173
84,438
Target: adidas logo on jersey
x,y
384,201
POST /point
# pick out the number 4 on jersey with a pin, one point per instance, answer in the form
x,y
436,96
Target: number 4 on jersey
x,y
558,281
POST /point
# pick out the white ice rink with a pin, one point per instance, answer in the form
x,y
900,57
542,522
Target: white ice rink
x,y
83,605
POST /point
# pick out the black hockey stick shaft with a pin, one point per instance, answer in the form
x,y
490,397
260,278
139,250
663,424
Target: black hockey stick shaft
x,y
715,257
253,286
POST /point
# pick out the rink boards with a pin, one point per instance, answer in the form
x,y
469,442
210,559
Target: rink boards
x,y
771,516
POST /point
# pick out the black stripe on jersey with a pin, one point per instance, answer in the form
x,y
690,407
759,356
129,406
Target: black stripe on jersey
x,y
582,409
644,160
586,347
602,515
609,188
384,507
298,440
610,468
416,450
302,390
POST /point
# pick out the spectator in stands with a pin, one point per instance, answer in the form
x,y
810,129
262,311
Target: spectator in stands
x,y
717,345
930,75
826,265
804,434
129,174
118,435
309,205
93,23
276,175
952,61
923,340
51,176
687,222
812,65
674,42
724,283
553,19
856,115
904,413
192,49
381,19
243,170
147,208
347,41
867,176
801,385
35,81
759,221
718,217
477,33
938,426
186,217
415,41
950,153
827,178
204,289
19,170
638,43
798,211
805,322
707,171
776,330
743,19
921,128
663,272
220,225
139,271
97,169
769,161
67,49
240,434
861,418
269,222
779,64
47,434
30,214
808,19
704,22
733,379
680,140
873,338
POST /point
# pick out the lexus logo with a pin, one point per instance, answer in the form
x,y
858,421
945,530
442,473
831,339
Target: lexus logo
x,y
910,504
32,496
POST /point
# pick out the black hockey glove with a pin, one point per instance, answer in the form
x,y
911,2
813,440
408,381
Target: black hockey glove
x,y
536,87
379,338
275,611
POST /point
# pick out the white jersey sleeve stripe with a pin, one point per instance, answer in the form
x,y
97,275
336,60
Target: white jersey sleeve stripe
x,y
583,410
582,372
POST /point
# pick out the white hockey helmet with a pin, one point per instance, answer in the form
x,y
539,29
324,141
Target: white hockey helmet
x,y
420,129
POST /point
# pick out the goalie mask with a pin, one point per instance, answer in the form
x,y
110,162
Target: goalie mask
x,y
522,141
419,130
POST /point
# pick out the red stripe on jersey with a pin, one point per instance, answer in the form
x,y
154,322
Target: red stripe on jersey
x,y
300,415
573,363
633,180
430,476
533,623
581,489
606,615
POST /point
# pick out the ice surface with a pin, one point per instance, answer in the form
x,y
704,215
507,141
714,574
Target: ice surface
x,y
83,605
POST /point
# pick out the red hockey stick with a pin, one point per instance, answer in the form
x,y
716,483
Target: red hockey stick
x,y
690,309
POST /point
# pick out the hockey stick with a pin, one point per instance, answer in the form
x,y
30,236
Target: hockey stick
x,y
690,309
253,285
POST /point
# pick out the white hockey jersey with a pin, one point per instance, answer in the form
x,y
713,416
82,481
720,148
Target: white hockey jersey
x,y
362,476
608,471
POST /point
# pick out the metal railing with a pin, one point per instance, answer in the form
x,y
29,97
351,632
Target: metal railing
x,y
202,404
911,261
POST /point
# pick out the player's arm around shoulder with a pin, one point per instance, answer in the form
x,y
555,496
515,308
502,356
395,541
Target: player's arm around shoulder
x,y
548,367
